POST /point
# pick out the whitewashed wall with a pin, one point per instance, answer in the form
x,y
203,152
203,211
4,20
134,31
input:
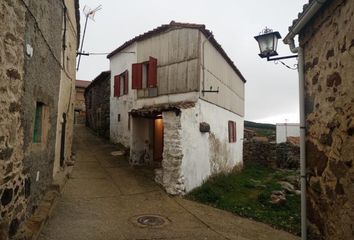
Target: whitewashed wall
x,y
205,154
218,73
284,130
119,63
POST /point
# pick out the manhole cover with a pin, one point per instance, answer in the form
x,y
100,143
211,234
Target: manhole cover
x,y
117,153
150,221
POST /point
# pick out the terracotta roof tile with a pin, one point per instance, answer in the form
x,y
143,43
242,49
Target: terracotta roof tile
x,y
82,83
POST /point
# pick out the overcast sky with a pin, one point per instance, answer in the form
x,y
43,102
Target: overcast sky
x,y
271,89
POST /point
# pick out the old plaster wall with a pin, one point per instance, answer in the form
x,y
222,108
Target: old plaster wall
x,y
190,156
141,147
121,106
328,43
205,154
67,63
14,183
42,74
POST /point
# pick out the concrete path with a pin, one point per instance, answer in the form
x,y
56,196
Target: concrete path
x,y
104,197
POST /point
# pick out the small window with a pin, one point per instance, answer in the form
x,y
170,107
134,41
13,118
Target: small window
x,y
38,123
118,117
232,131
144,75
121,84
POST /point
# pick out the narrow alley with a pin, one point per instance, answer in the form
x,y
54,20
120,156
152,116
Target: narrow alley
x,y
104,197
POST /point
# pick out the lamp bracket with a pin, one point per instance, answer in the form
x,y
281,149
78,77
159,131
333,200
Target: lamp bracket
x,y
279,58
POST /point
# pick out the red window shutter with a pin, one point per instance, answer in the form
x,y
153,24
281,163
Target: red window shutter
x,y
230,131
116,86
126,82
137,76
234,131
152,78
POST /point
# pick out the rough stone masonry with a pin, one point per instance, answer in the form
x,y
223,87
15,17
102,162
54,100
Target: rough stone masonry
x,y
328,42
14,182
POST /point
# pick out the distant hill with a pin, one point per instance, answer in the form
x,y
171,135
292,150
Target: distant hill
x,y
262,129
249,124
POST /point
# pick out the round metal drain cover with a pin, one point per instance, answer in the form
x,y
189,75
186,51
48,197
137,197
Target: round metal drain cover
x,y
150,220
117,153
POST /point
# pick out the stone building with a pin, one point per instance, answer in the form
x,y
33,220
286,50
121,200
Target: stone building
x,y
37,54
97,96
327,40
80,108
177,101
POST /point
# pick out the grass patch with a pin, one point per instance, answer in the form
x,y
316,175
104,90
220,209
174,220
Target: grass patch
x,y
247,194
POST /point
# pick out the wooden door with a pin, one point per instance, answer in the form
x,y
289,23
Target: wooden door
x,y
158,139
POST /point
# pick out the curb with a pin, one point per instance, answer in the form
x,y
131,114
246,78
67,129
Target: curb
x,y
33,226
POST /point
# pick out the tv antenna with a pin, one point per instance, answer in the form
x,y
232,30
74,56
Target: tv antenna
x,y
89,14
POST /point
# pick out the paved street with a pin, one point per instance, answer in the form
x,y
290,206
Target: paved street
x,y
104,196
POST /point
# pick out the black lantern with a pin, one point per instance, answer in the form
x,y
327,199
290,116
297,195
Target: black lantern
x,y
268,42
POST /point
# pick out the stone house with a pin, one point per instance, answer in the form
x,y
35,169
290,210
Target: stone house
x,y
80,108
327,40
38,41
97,96
177,102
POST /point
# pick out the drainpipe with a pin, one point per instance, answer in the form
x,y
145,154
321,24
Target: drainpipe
x,y
306,16
299,51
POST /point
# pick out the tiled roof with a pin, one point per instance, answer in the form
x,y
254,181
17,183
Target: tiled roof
x,y
82,83
100,77
300,14
305,9
173,24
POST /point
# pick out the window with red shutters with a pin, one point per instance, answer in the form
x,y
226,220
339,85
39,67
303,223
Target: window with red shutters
x,y
144,75
116,86
152,73
232,131
137,76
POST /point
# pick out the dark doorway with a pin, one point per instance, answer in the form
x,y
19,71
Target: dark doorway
x,y
158,140
62,147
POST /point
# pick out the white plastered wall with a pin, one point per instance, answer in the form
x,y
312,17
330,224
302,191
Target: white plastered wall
x,y
67,89
205,154
119,63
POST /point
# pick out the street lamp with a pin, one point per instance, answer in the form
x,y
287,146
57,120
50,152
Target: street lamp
x,y
268,43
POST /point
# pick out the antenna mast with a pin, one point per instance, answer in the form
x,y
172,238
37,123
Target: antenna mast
x,y
89,14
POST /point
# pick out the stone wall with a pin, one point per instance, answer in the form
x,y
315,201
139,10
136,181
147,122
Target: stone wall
x,y
80,108
42,81
283,155
30,74
14,183
97,96
328,42
172,154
